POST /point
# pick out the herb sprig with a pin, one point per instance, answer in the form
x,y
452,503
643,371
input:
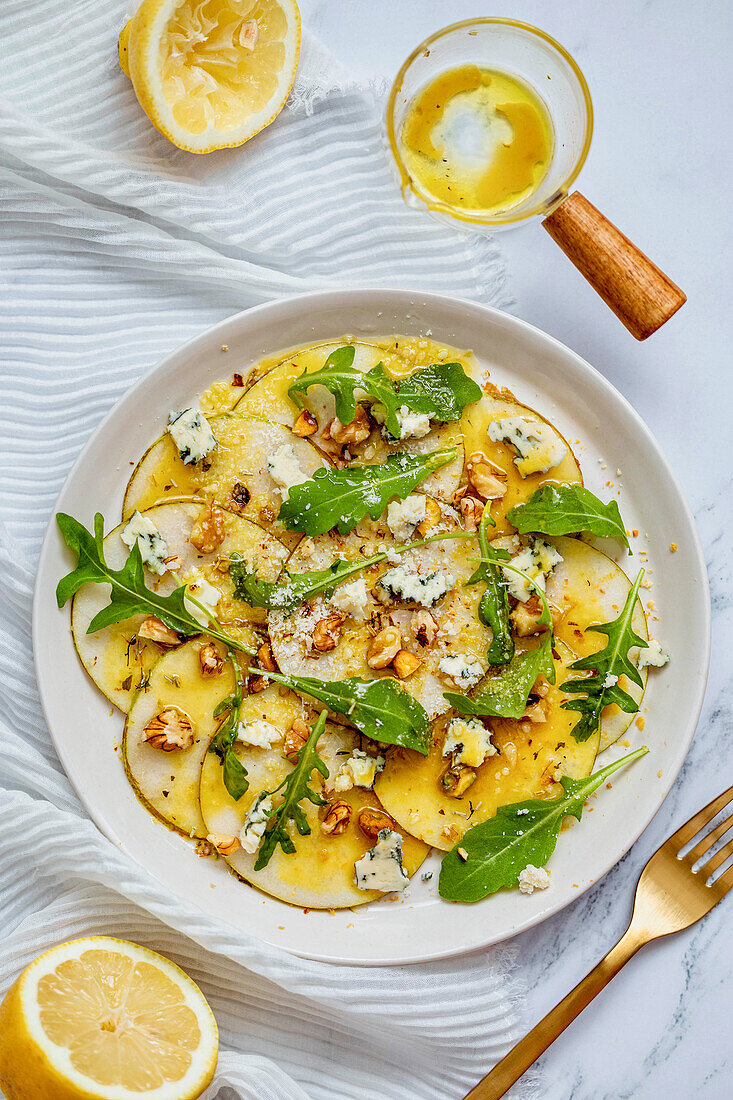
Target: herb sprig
x,y
297,789
602,689
523,833
341,498
440,391
234,773
568,510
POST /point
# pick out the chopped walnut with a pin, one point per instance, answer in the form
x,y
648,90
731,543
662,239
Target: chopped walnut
x,y
405,663
327,631
471,509
207,534
433,517
355,432
265,658
210,661
337,818
225,844
240,497
371,822
384,647
169,730
256,684
483,479
305,425
152,629
424,627
295,737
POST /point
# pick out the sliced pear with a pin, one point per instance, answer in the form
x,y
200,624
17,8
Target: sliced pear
x,y
240,459
494,405
455,615
529,755
168,782
268,399
321,873
117,661
586,588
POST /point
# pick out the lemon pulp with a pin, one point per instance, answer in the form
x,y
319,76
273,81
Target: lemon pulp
x,y
478,140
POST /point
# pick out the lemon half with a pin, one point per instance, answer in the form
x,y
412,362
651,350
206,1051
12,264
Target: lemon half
x,y
211,74
103,1019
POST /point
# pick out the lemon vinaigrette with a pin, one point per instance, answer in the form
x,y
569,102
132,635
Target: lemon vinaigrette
x,y
477,139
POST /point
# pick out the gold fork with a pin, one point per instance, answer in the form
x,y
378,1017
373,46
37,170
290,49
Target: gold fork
x,y
670,896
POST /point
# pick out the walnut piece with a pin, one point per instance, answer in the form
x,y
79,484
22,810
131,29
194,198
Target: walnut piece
x,y
405,663
371,822
207,534
225,844
240,497
169,730
484,480
266,658
384,647
327,631
295,737
337,818
424,627
210,661
152,629
433,517
346,434
256,684
305,425
471,509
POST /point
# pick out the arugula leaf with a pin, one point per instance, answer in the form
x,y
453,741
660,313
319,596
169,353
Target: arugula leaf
x,y
380,709
566,510
440,391
505,694
299,587
297,789
234,774
520,834
341,498
610,662
493,608
129,594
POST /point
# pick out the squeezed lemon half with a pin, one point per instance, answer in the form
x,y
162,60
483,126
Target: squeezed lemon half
x,y
103,1019
211,74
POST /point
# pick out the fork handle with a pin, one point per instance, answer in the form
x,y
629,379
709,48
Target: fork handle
x,y
517,1061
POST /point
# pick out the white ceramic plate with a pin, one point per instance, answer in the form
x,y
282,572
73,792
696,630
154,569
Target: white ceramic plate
x,y
586,408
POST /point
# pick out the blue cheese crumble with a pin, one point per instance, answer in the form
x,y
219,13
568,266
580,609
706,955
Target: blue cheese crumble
x,y
285,470
403,583
412,425
258,732
464,671
255,823
468,741
360,770
381,868
652,657
192,435
537,446
152,545
403,516
537,560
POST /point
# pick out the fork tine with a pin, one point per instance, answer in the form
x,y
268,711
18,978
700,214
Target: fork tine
x,y
722,885
695,824
708,840
718,860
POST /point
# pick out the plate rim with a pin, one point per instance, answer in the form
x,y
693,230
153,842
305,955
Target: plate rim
x,y
409,299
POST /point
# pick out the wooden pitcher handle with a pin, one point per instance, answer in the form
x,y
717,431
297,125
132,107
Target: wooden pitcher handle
x,y
640,295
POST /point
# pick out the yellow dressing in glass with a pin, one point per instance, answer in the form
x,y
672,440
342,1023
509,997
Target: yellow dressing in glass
x,y
477,140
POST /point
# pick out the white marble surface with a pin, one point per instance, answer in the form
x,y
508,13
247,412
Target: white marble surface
x,y
660,167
